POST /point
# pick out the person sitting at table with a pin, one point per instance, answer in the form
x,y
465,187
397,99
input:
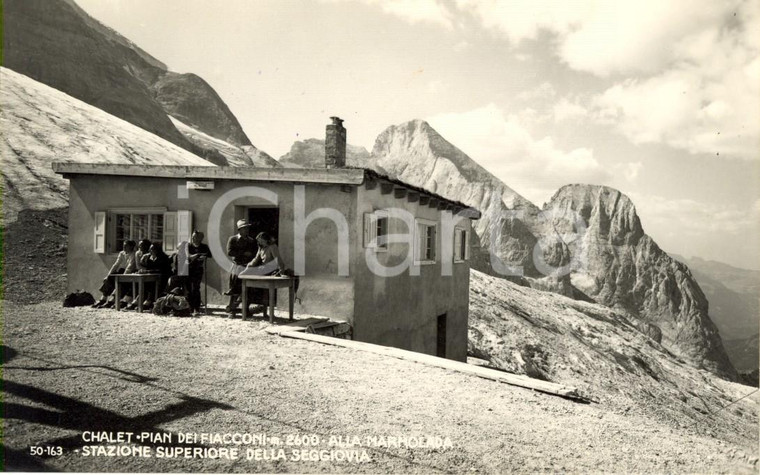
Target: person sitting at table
x,y
124,264
197,253
267,261
157,262
142,253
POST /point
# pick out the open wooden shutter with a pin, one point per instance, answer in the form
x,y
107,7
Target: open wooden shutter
x,y
419,242
370,230
99,242
184,225
170,231
467,245
458,245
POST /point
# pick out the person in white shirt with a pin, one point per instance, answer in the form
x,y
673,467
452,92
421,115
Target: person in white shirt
x,y
125,264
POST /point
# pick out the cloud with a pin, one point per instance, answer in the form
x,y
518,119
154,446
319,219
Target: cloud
x,y
688,110
706,102
436,87
415,11
543,91
564,110
462,46
519,20
535,167
694,218
702,228
684,76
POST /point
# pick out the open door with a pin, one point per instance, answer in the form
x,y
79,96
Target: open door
x,y
441,347
266,220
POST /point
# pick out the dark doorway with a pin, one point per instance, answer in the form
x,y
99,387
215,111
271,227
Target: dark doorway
x,y
441,347
266,220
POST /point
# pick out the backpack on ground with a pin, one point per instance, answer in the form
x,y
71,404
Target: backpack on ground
x,y
80,298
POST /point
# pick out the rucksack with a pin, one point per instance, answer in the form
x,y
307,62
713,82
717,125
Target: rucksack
x,y
80,298
170,304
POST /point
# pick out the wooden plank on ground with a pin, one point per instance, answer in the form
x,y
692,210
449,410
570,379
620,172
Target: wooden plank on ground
x,y
296,326
487,373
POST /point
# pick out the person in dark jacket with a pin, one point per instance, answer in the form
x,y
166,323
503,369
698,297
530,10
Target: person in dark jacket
x,y
157,262
197,253
241,248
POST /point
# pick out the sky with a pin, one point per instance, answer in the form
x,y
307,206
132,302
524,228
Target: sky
x,y
659,99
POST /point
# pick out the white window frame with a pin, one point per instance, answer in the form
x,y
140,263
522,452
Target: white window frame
x,y
371,221
426,223
177,226
461,234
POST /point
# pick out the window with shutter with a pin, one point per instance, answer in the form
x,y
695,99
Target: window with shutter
x,y
376,230
426,244
461,245
133,224
170,232
100,232
184,225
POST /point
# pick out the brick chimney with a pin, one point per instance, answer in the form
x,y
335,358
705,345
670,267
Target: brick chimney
x,y
335,144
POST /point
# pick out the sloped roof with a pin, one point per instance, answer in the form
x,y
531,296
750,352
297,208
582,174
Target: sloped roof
x,y
331,176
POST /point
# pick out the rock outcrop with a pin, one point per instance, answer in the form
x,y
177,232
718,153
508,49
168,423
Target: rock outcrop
x,y
619,266
190,99
310,153
734,307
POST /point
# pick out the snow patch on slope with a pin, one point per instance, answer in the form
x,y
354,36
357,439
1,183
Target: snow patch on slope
x,y
237,156
40,125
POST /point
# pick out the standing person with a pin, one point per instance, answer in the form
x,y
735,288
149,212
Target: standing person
x,y
241,248
266,262
125,263
197,253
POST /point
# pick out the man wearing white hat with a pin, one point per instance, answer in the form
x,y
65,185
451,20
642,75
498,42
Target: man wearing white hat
x,y
241,248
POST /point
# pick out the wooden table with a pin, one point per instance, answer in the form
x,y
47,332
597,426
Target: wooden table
x,y
140,280
270,282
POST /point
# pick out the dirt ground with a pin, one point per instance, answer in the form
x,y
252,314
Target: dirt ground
x,y
68,371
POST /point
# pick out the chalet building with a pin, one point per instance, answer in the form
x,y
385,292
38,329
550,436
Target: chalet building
x,y
390,259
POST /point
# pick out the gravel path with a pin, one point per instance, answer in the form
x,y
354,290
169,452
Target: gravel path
x,y
68,371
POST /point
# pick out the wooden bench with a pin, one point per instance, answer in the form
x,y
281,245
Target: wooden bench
x,y
140,280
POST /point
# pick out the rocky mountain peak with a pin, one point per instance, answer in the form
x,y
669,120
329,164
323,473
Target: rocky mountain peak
x,y
416,139
619,266
608,210
193,101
